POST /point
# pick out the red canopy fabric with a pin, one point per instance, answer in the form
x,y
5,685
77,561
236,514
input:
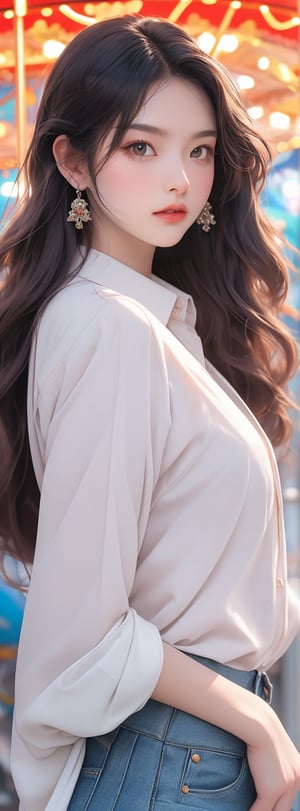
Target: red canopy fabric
x,y
211,10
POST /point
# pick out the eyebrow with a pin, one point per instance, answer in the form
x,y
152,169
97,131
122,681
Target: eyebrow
x,y
158,131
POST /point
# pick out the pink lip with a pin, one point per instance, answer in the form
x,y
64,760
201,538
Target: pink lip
x,y
171,213
168,209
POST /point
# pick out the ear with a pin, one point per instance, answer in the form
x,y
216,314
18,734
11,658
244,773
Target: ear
x,y
70,162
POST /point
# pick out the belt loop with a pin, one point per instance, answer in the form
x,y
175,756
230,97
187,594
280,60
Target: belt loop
x,y
263,687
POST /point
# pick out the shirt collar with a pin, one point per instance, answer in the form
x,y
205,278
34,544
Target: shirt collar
x,y
158,296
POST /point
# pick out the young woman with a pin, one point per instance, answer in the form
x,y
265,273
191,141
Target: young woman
x,y
143,384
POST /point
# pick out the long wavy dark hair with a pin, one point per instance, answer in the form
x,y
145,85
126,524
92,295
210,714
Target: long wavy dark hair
x,y
236,273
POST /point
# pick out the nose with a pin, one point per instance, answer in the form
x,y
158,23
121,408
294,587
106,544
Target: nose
x,y
176,179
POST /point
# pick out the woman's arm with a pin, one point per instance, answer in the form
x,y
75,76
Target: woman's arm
x,y
273,759
86,659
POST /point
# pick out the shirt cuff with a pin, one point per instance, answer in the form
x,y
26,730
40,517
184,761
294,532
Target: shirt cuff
x,y
100,690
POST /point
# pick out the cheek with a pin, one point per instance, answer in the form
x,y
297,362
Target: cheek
x,y
205,182
108,183
209,175
119,182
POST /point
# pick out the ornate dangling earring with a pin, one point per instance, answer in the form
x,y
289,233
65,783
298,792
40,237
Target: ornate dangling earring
x,y
206,218
79,212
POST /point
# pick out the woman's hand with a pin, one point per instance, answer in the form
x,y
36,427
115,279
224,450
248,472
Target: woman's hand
x,y
275,766
273,759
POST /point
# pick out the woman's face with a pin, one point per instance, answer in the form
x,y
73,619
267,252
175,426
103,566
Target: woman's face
x,y
154,186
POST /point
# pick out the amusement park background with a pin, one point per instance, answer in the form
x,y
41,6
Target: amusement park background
x,y
260,45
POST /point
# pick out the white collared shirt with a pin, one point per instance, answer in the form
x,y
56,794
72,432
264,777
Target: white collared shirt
x,y
160,519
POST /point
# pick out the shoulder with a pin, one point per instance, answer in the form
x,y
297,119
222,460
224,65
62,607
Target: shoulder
x,y
85,320
94,350
82,301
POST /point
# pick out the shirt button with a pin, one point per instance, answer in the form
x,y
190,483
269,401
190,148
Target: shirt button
x,y
179,303
196,758
280,583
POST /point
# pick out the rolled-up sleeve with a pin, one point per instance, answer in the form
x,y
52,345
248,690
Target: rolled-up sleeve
x,y
100,419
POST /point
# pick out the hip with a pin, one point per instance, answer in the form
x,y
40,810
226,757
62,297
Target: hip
x,y
162,759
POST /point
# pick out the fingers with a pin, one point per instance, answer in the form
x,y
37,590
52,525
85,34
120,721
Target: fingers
x,y
283,803
261,805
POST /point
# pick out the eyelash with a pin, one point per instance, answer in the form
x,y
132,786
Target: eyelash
x,y
134,144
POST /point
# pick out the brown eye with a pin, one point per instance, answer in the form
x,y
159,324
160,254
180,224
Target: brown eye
x,y
202,152
140,148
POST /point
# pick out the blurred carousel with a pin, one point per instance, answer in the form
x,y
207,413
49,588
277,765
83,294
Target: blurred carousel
x,y
258,43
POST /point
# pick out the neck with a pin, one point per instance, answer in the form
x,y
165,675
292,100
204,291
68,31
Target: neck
x,y
138,256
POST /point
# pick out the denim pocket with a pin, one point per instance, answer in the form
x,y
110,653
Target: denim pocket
x,y
211,772
84,789
97,751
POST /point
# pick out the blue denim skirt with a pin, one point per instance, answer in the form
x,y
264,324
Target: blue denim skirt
x,y
162,759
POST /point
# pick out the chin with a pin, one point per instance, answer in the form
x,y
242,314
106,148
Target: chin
x,y
169,243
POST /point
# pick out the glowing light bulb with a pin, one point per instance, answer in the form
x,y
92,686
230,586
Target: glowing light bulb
x,y
245,82
52,48
263,63
9,189
206,41
280,121
228,43
256,112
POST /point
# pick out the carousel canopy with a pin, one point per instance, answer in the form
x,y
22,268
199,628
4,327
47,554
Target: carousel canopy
x,y
258,43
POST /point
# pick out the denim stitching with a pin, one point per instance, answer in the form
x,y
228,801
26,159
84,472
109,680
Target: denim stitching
x,y
159,765
125,770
